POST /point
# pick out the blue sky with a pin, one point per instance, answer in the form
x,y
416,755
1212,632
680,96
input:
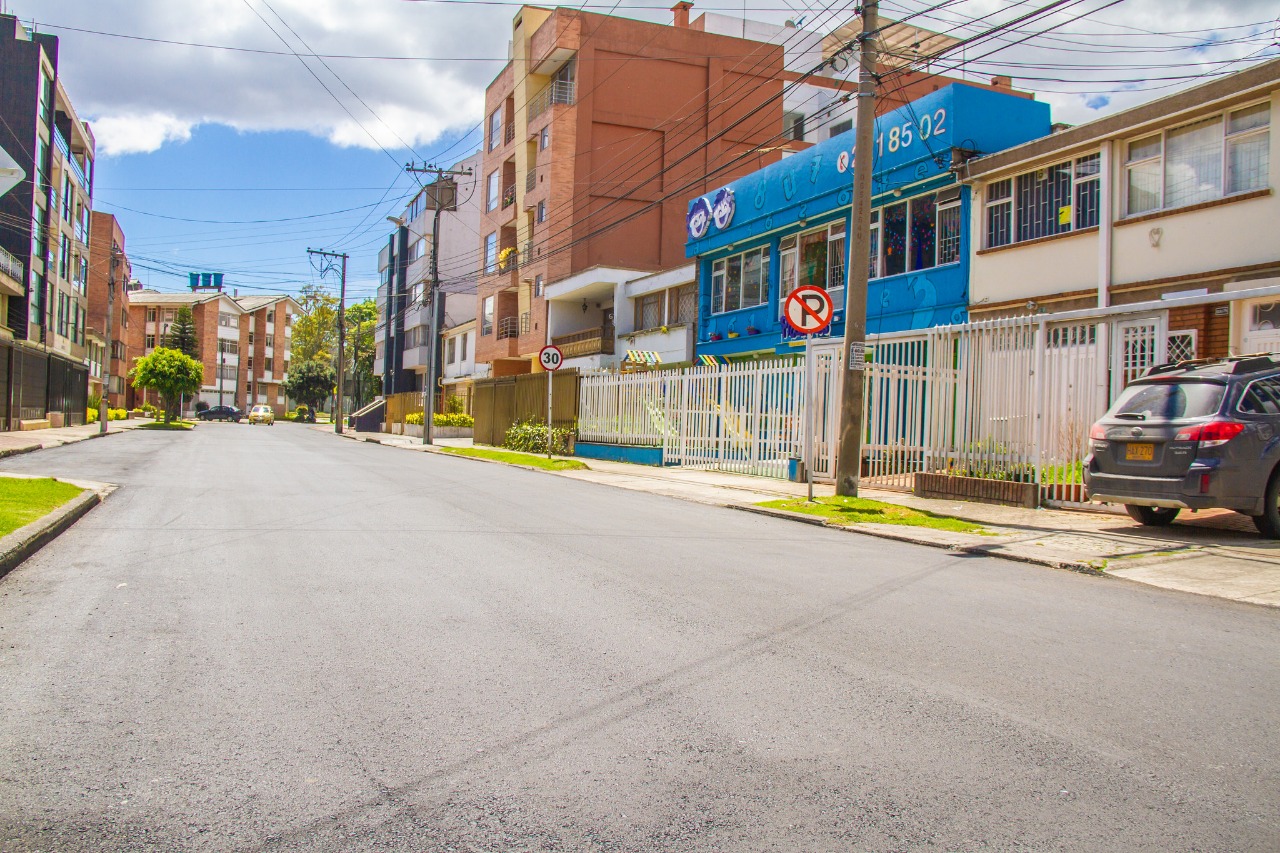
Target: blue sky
x,y
276,156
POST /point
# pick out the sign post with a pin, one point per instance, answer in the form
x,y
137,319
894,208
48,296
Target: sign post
x,y
808,311
551,360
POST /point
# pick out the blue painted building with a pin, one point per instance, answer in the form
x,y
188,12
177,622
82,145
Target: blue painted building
x,y
786,225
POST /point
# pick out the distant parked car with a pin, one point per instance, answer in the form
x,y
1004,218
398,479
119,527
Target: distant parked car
x,y
262,415
221,413
1193,435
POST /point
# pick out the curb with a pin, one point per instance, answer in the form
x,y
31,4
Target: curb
x,y
26,541
974,550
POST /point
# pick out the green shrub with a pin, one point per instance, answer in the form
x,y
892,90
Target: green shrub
x,y
112,415
451,419
531,437
413,419
201,406
454,405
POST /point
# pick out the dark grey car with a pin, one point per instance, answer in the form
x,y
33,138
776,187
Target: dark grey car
x,y
1193,436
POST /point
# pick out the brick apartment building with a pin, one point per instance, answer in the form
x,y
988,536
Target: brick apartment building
x,y
597,118
106,240
244,341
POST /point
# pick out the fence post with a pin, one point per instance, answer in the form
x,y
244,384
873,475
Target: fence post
x,y
1037,395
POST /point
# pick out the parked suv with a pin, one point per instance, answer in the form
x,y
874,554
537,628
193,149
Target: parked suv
x,y
1193,435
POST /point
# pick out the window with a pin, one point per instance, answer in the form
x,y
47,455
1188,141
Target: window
x,y
495,129
267,364
542,212
168,315
151,315
793,126
682,306
893,239
451,351
1262,397
269,340
1199,162
1054,200
271,316
151,342
251,339
544,138
787,266
740,281
491,252
649,311
64,258
228,348
493,192
486,316
462,354
537,285
226,320
842,127
948,227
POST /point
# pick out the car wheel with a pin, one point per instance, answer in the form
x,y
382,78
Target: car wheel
x,y
1268,523
1152,516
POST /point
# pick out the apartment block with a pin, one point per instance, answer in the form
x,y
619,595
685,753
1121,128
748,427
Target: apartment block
x,y
109,270
44,252
244,341
595,133
402,337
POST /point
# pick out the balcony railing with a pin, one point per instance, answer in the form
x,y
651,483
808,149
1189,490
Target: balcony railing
x,y
508,327
587,342
509,196
531,180
14,267
65,148
557,92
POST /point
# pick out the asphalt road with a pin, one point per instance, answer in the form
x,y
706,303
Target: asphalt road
x,y
274,639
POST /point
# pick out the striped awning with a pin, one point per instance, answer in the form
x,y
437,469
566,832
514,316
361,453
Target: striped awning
x,y
712,360
646,357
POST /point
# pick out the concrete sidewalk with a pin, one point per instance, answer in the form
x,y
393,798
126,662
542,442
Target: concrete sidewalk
x,y
15,442
1214,553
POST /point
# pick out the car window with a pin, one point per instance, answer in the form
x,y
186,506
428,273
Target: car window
x,y
1262,397
1170,400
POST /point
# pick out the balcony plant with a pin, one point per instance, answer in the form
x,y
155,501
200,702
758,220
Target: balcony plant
x,y
715,336
752,330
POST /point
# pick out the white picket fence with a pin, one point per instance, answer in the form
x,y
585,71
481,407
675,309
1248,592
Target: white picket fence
x,y
1007,399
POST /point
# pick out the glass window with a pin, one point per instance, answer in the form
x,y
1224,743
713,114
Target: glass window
x,y
151,315
787,257
924,233
649,311
835,256
451,350
684,304
1248,148
462,356
493,191
495,128
1088,191
542,211
949,233
486,316
1043,202
1170,400
893,231
1193,163
537,285
491,252
873,254
741,281
733,283
544,138
813,259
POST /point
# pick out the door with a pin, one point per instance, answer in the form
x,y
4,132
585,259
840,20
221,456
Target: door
x,y
1139,344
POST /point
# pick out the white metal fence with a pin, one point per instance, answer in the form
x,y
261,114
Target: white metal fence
x,y
1009,399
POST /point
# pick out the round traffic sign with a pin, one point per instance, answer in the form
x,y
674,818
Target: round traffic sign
x,y
808,310
550,357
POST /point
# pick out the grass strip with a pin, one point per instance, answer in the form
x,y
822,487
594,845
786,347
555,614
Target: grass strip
x,y
511,457
22,501
849,511
163,425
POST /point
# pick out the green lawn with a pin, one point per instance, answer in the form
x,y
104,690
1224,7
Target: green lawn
x,y
22,501
511,457
163,425
862,511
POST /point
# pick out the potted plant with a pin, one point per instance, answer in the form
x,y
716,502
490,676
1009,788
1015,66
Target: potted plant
x,y
733,333
714,336
752,330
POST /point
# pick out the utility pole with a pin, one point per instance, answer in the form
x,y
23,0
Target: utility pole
x,y
342,332
104,404
444,185
852,403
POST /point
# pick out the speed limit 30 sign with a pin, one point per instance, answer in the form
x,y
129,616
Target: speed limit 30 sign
x,y
550,357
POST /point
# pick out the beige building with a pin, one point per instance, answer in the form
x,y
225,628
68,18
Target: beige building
x,y
1175,197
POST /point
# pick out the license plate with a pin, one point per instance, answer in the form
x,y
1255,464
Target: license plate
x,y
1135,452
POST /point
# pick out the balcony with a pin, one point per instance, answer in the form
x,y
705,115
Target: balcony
x,y
557,92
508,327
14,269
587,342
509,196
74,164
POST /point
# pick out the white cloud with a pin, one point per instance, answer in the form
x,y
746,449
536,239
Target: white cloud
x,y
133,133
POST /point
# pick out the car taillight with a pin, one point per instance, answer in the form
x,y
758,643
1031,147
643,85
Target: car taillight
x,y
1098,432
1211,434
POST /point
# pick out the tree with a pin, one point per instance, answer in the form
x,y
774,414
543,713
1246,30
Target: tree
x,y
182,334
362,319
170,374
311,382
315,331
